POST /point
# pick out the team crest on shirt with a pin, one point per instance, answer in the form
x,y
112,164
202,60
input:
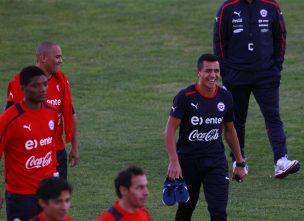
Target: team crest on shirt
x,y
263,13
51,125
221,106
58,88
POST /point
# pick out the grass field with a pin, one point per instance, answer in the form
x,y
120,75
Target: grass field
x,y
126,60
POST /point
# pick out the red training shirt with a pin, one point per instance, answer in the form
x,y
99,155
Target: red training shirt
x,y
40,217
27,141
139,215
58,95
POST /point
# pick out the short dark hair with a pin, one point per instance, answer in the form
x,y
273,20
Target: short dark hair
x,y
28,73
52,187
205,57
124,177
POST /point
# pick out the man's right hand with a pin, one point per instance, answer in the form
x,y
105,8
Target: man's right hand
x,y
1,201
174,171
239,174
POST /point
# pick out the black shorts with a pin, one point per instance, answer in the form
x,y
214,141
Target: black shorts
x,y
62,160
22,207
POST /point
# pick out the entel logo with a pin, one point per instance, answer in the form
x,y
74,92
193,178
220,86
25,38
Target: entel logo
x,y
31,144
209,120
55,102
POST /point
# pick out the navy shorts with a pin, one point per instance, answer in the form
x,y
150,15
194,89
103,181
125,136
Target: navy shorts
x,y
22,207
62,160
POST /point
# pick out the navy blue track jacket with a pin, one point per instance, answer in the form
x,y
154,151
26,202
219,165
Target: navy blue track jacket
x,y
249,37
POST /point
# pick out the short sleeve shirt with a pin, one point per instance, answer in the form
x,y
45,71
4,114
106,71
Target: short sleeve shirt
x,y
202,120
40,217
55,95
27,141
140,214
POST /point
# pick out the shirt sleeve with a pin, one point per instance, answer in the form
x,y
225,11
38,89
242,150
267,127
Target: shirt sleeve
x,y
67,109
219,34
56,134
14,91
11,92
279,35
67,218
178,107
106,217
1,137
3,134
229,116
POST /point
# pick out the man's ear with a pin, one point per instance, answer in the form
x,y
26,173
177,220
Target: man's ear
x,y
22,88
197,72
42,203
123,190
42,58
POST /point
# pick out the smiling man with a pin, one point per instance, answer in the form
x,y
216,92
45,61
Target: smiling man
x,y
200,111
54,197
131,187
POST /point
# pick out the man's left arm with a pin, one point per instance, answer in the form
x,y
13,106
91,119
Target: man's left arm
x,y
230,132
74,155
279,38
1,196
3,143
233,142
1,200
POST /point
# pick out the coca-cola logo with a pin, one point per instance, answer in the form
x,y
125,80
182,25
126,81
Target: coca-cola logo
x,y
208,136
39,162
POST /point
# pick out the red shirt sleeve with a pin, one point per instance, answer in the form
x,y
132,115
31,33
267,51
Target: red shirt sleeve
x,y
106,216
14,90
67,107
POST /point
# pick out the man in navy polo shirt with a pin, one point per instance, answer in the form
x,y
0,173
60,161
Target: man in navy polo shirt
x,y
200,111
250,39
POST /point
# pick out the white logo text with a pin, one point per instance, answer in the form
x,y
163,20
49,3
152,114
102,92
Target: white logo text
x,y
31,144
34,162
208,136
55,102
27,127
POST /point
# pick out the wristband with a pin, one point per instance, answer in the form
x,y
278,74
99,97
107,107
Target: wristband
x,y
242,164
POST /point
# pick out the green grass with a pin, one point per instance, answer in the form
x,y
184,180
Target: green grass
x,y
126,60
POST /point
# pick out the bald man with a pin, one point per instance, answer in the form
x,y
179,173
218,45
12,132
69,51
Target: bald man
x,y
49,59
